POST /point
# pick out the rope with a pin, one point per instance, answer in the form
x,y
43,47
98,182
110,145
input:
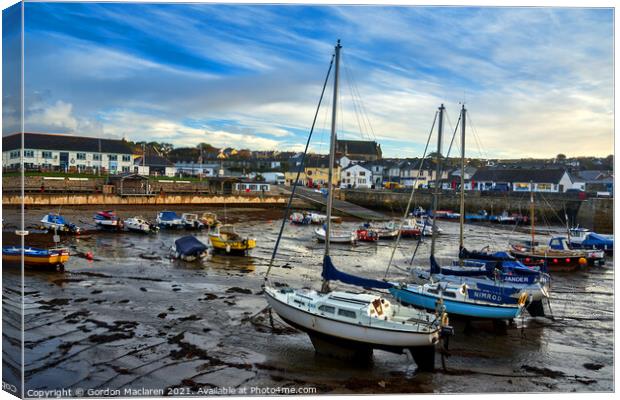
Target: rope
x,y
402,221
303,159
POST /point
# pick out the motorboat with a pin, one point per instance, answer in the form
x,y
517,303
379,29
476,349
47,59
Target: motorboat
x,y
225,239
189,248
139,224
108,220
58,223
298,218
191,221
581,238
169,220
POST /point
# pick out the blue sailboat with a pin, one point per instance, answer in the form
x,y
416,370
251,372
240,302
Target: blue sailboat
x,y
470,292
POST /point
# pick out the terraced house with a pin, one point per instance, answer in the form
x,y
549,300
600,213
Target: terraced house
x,y
67,153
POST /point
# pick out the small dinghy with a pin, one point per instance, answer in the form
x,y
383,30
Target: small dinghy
x,y
188,248
58,223
336,236
383,231
169,220
34,257
191,221
108,220
139,224
226,239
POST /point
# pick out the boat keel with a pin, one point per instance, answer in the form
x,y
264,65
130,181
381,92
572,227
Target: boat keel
x,y
536,309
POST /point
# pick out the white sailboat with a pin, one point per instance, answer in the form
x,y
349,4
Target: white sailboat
x,y
355,322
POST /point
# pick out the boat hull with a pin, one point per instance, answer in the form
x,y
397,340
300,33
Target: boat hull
x,y
472,310
50,260
360,334
236,246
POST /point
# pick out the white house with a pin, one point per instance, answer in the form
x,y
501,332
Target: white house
x,y
522,180
67,153
356,176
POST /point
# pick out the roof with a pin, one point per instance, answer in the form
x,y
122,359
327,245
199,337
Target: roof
x,y
593,175
153,160
520,175
357,165
46,141
347,147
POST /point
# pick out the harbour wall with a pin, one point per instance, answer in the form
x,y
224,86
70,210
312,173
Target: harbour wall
x,y
596,214
111,199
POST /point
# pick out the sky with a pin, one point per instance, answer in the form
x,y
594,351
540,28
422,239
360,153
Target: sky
x,y
536,81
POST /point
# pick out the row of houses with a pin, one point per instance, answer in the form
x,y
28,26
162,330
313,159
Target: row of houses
x,y
359,164
409,173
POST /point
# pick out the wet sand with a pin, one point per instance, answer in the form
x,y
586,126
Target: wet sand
x,y
133,318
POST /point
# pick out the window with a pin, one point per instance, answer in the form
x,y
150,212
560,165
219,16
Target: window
x,y
112,157
97,157
327,309
29,153
362,173
521,186
81,156
346,313
15,154
348,174
361,180
544,186
126,158
125,169
46,154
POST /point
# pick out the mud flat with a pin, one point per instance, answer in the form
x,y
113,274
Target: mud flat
x,y
132,319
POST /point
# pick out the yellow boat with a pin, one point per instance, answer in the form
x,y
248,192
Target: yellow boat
x,y
35,257
224,238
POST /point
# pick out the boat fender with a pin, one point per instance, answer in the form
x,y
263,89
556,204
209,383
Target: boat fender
x,y
464,289
583,261
522,299
89,256
228,248
445,321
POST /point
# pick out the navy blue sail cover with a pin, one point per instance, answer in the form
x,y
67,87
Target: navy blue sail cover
x,y
330,273
189,246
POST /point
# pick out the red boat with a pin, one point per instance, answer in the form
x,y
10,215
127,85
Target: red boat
x,y
556,260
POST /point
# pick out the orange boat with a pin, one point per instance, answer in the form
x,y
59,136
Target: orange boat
x,y
34,257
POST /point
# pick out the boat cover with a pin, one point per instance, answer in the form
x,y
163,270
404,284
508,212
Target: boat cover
x,y
56,219
330,273
168,215
594,239
189,246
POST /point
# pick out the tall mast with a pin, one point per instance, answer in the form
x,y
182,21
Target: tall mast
x,y
462,219
332,158
532,212
437,179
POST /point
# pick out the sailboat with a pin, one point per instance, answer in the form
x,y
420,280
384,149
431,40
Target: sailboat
x,y
469,296
354,322
553,260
